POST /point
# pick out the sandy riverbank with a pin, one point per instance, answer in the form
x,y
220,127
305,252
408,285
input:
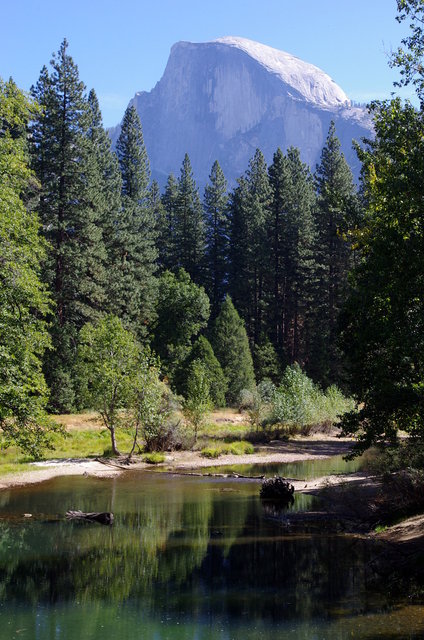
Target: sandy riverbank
x,y
276,452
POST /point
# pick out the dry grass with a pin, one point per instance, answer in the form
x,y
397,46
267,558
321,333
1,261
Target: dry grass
x,y
88,421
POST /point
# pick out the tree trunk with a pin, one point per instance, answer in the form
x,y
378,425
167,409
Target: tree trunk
x,y
115,449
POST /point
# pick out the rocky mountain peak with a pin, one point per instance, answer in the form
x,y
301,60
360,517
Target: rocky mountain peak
x,y
221,100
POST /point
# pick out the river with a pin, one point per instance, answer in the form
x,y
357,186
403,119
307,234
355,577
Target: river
x,y
187,559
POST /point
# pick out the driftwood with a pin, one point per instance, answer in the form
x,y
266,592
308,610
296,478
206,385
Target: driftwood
x,y
121,463
215,475
277,489
104,517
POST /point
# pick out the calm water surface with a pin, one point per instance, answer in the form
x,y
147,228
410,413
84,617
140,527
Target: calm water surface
x,y
187,559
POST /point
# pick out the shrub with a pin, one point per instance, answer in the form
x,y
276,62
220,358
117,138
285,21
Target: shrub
x,y
211,452
197,403
299,402
266,390
241,448
246,400
154,458
153,407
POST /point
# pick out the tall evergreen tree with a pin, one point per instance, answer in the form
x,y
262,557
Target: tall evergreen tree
x,y
132,156
293,238
238,268
217,236
134,253
279,175
252,217
70,216
167,247
189,227
158,213
231,347
335,213
104,177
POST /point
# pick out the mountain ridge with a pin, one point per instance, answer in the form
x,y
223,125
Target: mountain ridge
x,y
222,99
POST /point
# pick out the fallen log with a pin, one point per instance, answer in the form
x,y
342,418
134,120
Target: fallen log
x,y
236,476
103,517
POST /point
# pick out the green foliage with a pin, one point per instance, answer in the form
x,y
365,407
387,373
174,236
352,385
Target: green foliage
x,y
336,215
24,301
154,458
231,347
203,352
152,407
133,253
240,448
382,325
182,311
299,402
165,224
132,157
64,158
211,452
408,58
265,359
249,245
257,402
292,268
385,460
197,403
108,363
188,234
105,177
217,236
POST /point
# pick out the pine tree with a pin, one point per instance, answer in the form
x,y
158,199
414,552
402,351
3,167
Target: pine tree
x,y
231,347
280,181
104,177
158,213
134,253
189,227
238,268
266,361
292,265
132,156
70,216
252,217
202,351
167,250
217,236
336,209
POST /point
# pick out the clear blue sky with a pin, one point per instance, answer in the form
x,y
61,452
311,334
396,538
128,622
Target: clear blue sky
x,y
122,47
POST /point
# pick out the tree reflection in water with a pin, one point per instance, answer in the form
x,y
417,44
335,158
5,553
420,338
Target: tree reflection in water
x,y
191,549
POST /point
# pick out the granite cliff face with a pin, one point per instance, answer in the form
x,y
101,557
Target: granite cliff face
x,y
223,99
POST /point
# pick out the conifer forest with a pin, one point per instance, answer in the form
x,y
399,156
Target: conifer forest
x,y
215,294
212,395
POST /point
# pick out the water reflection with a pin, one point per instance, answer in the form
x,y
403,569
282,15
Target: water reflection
x,y
186,558
301,470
